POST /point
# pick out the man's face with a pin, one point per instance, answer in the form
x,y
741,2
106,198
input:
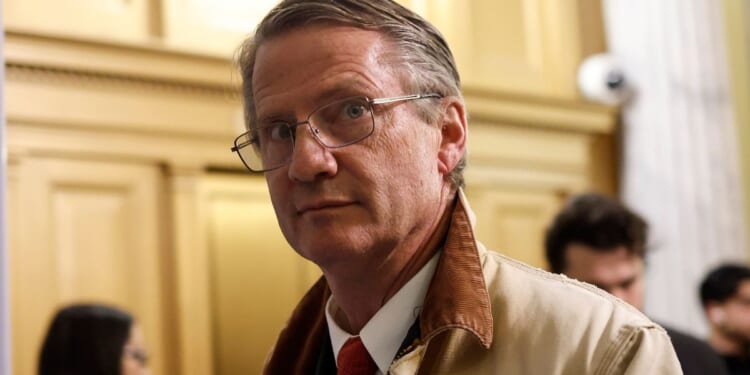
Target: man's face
x,y
616,271
363,199
732,318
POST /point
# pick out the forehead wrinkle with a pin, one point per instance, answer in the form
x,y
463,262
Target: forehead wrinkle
x,y
329,72
336,62
339,90
355,85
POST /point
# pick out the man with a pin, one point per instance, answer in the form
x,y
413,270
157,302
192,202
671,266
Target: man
x,y
725,294
598,240
356,119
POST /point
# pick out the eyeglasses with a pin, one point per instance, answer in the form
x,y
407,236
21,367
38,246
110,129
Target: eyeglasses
x,y
344,122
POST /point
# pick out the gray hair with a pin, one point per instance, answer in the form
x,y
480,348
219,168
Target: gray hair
x,y
427,61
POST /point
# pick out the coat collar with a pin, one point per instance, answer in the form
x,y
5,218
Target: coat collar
x,y
457,298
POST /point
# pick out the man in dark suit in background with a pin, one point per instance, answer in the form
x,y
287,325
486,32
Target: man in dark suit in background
x,y
598,240
725,294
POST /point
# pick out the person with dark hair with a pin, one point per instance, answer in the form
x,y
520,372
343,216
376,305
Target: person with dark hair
x,y
596,237
93,339
725,295
598,240
354,114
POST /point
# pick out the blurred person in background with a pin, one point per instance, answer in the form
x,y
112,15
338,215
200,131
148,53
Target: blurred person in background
x,y
598,240
725,294
93,339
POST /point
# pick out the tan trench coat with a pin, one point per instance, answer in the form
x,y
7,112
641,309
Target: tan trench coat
x,y
487,314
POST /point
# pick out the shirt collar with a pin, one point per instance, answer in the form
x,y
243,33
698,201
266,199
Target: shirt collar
x,y
457,298
383,334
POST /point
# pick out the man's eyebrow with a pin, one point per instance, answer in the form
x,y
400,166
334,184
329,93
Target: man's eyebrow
x,y
279,117
343,89
622,284
340,90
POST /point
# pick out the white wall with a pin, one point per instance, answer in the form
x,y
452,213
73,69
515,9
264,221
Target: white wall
x,y
680,158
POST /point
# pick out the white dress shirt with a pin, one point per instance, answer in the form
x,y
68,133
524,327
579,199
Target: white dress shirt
x,y
386,330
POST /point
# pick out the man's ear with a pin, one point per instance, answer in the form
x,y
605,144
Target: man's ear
x,y
453,132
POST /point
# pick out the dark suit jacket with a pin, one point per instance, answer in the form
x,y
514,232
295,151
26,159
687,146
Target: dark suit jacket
x,y
696,356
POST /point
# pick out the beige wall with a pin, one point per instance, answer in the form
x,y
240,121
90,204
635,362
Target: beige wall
x,y
4,266
737,14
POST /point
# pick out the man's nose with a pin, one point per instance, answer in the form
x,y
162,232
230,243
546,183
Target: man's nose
x,y
310,158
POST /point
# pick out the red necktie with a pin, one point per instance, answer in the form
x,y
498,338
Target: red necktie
x,y
354,359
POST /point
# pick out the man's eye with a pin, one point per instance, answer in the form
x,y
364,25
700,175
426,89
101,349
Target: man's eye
x,y
280,132
354,110
628,283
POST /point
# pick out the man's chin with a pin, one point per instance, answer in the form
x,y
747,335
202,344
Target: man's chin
x,y
330,254
324,252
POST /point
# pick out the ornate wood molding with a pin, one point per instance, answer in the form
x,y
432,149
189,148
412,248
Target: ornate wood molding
x,y
95,79
556,114
153,63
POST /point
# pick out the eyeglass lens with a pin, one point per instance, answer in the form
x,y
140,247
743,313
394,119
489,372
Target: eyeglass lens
x,y
337,124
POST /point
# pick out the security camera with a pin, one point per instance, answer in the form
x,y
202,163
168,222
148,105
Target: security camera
x,y
601,79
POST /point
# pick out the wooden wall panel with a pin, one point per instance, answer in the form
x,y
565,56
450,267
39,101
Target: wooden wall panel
x,y
257,279
524,47
114,20
86,231
216,27
512,222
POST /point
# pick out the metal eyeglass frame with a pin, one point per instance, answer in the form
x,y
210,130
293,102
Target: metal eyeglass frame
x,y
240,144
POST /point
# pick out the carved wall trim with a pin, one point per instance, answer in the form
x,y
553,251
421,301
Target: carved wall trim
x,y
29,139
72,99
155,63
528,111
44,74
